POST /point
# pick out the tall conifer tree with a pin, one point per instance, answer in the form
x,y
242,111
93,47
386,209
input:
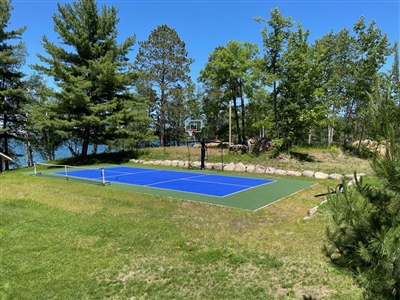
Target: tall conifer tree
x,y
12,57
92,72
164,66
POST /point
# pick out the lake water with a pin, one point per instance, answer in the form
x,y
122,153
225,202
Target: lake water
x,y
60,153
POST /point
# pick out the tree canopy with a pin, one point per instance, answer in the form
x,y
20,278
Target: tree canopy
x,y
294,90
95,103
163,65
12,96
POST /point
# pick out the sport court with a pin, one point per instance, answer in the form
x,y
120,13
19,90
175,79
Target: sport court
x,y
245,192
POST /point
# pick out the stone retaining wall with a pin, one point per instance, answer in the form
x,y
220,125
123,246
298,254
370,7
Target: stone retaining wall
x,y
240,167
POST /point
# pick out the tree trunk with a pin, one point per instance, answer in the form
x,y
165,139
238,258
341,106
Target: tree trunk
x,y
5,142
243,131
162,119
85,143
330,135
237,119
28,151
347,121
361,138
275,96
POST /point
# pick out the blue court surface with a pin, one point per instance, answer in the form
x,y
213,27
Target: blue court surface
x,y
189,182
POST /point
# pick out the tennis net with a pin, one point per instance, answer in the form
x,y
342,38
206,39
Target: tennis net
x,y
94,175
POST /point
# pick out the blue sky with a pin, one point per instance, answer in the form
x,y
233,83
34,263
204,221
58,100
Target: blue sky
x,y
204,25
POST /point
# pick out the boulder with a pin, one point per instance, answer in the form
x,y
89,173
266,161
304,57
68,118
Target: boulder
x,y
229,167
217,166
321,175
167,162
280,172
308,173
259,169
250,168
270,170
336,176
312,211
294,173
240,167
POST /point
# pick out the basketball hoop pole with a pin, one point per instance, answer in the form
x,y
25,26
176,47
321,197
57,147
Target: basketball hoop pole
x,y
203,149
194,127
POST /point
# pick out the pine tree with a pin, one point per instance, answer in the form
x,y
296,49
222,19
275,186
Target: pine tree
x,y
164,66
95,104
12,57
365,237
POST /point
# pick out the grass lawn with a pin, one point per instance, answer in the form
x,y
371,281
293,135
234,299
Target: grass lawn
x,y
69,240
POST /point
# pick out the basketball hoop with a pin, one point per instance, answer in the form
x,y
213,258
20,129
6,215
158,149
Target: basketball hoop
x,y
192,127
190,131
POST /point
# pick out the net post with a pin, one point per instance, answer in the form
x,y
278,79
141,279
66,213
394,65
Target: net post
x,y
66,172
34,169
103,178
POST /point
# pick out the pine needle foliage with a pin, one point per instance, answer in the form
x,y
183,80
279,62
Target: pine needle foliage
x,y
365,235
12,58
96,104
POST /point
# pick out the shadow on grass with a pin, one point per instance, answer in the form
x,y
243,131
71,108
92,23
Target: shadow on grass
x,y
302,156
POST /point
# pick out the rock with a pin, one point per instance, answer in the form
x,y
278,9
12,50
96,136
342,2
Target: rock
x,y
250,168
294,173
280,172
209,166
240,167
336,176
259,169
312,211
270,170
321,175
167,163
229,167
324,201
217,166
174,163
195,164
308,173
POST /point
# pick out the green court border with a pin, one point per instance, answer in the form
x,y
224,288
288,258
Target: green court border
x,y
252,199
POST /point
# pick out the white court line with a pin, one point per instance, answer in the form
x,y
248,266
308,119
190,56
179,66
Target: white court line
x,y
118,174
249,188
225,183
177,179
191,178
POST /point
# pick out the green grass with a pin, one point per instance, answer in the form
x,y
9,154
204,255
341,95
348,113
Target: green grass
x,y
69,240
